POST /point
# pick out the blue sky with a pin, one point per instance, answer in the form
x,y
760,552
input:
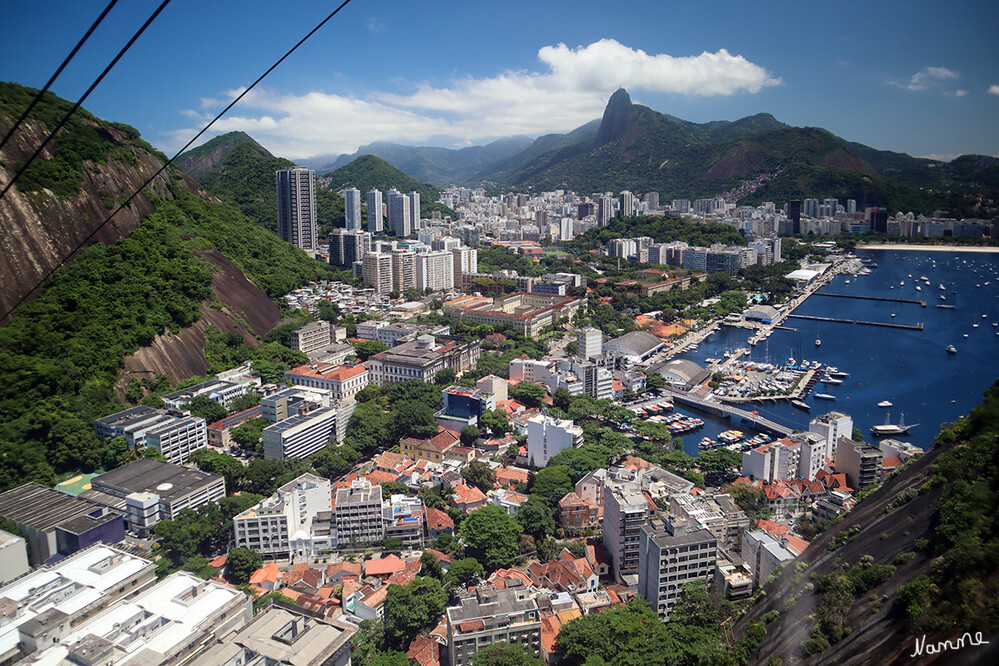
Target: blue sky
x,y
909,76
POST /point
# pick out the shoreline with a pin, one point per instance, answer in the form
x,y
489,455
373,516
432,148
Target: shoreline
x,y
908,247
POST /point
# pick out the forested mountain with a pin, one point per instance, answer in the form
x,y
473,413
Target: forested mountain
x,y
753,159
133,310
440,166
198,161
368,171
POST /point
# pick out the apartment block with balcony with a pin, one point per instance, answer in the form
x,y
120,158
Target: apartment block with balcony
x,y
358,514
489,617
673,554
294,521
626,511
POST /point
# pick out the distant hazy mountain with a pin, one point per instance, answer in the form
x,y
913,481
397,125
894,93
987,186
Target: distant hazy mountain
x,y
439,166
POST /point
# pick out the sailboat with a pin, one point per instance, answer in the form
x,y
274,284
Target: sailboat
x,y
892,429
818,340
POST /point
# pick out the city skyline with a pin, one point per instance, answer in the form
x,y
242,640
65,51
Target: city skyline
x,y
898,76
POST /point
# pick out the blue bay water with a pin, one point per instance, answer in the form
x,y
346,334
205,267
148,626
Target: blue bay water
x,y
910,368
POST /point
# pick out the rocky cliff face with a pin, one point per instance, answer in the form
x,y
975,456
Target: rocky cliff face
x,y
615,120
39,228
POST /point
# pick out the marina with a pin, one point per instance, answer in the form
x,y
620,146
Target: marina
x,y
906,366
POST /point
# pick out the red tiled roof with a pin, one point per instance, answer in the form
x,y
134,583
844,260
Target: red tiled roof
x,y
438,520
467,494
773,528
387,565
891,462
355,568
795,544
322,371
266,573
425,651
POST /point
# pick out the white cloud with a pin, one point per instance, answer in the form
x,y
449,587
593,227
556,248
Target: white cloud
x,y
573,90
375,25
960,93
994,90
929,77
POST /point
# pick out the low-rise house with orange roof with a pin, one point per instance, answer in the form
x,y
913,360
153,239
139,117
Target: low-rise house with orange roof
x,y
467,498
782,500
389,461
438,523
433,449
364,602
424,651
268,577
577,513
559,575
596,557
509,477
384,567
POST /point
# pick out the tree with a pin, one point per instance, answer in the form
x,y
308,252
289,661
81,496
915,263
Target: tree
x,y
633,630
562,398
464,571
248,434
368,393
655,381
469,434
241,563
412,608
495,421
490,536
207,409
529,394
244,402
536,517
230,469
506,654
479,475
551,484
413,419
750,499
365,349
445,377
718,461
431,566
390,488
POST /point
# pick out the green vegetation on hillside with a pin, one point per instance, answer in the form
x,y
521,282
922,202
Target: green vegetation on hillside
x,y
962,587
245,177
368,171
62,352
84,138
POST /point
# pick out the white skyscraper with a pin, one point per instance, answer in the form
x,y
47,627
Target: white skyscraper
x,y
399,214
376,211
352,208
296,198
435,270
414,208
403,270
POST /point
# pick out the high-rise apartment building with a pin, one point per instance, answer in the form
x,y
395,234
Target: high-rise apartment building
x,y
605,210
832,426
466,260
378,271
376,211
400,218
626,511
358,513
352,208
626,201
589,342
414,208
296,197
672,555
435,270
403,270
546,436
348,246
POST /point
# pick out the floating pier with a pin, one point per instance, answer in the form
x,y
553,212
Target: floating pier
x,y
872,298
886,324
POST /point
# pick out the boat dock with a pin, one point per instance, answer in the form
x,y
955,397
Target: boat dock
x,y
872,298
730,412
886,324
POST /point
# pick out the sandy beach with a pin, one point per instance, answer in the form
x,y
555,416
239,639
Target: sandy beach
x,y
929,248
